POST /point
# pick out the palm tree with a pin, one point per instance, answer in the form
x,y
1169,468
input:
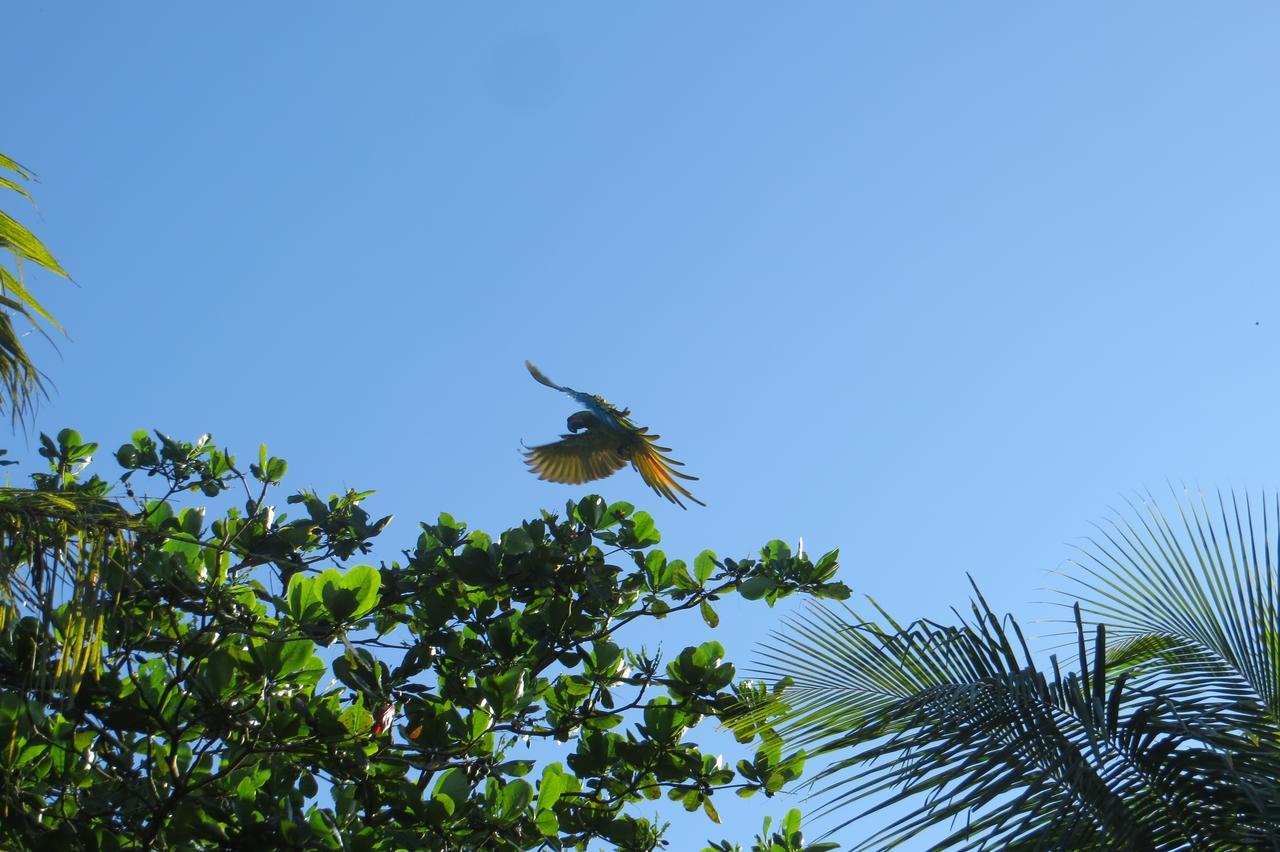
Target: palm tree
x,y
1159,728
21,383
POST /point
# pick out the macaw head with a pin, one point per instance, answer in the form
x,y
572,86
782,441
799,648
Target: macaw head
x,y
581,420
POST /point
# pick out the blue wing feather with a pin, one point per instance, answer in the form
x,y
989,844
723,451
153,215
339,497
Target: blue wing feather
x,y
597,405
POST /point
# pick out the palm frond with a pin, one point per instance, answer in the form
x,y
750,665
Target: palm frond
x,y
21,383
1197,594
958,724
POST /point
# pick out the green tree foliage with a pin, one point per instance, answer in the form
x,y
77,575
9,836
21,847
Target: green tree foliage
x,y
1158,730
788,838
175,676
20,381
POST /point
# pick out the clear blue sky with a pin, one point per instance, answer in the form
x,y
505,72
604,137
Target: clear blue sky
x,y
936,283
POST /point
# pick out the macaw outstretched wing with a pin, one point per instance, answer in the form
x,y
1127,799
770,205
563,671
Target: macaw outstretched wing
x,y
540,377
577,458
658,469
584,399
600,407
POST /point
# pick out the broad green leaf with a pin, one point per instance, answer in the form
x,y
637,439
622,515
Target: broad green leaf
x,y
547,822
516,768
756,587
645,531
832,591
515,797
827,566
294,655
516,541
615,513
591,511
552,785
303,596
776,550
704,566
350,595
451,789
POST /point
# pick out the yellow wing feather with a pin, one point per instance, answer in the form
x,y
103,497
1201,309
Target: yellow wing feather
x,y
576,459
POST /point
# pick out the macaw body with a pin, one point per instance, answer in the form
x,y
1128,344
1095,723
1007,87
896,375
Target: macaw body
x,y
602,441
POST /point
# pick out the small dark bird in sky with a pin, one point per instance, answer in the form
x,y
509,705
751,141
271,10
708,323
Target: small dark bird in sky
x,y
602,440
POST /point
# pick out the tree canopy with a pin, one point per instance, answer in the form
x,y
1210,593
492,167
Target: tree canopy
x,y
199,668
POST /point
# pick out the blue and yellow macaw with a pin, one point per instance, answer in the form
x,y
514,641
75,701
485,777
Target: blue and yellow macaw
x,y
601,441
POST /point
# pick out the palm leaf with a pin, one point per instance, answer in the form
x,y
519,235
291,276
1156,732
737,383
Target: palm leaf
x,y
16,167
1199,590
957,724
21,383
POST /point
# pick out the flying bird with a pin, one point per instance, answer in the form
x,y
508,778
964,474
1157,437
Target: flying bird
x,y
601,440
